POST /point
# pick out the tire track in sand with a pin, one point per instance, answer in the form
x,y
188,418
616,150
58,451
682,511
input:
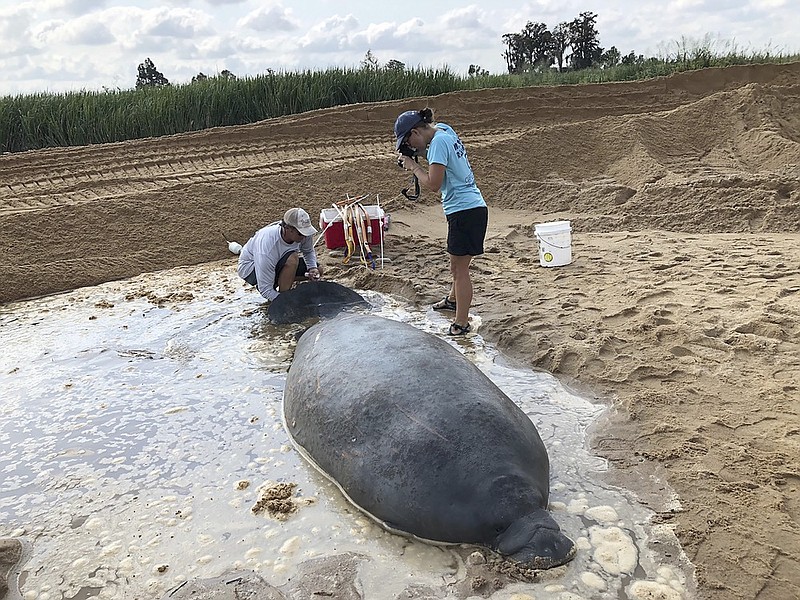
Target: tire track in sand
x,y
72,177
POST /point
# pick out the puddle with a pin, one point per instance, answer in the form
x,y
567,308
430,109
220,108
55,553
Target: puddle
x,y
139,419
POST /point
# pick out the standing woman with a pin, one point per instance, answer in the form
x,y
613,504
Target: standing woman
x,y
448,171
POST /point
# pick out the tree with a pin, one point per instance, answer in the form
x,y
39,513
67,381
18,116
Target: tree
x,y
477,71
224,74
529,50
610,58
538,45
370,63
149,76
513,53
559,42
395,65
632,59
586,49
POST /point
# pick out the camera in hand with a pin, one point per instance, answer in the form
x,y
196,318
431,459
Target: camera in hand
x,y
407,150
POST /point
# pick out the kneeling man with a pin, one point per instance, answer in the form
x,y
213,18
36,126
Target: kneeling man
x,y
271,260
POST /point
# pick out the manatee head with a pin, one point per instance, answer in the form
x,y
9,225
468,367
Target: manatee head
x,y
536,540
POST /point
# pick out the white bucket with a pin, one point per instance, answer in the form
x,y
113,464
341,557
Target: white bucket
x,y
555,243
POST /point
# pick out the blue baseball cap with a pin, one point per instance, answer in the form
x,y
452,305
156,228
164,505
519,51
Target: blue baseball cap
x,y
404,124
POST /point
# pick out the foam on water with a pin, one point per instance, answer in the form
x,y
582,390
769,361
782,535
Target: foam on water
x,y
139,419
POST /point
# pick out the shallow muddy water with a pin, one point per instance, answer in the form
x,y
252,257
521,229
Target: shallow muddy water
x,y
139,420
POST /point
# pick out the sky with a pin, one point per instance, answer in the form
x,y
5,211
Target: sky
x,y
72,45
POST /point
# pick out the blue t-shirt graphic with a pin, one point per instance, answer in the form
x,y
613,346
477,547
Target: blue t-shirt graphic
x,y
459,191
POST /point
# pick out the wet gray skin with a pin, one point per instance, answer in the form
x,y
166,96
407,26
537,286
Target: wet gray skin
x,y
419,438
536,539
313,299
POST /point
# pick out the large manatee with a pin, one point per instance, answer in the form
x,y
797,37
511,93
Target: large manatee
x,y
419,438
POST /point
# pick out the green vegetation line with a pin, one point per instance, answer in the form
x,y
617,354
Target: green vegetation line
x,y
29,122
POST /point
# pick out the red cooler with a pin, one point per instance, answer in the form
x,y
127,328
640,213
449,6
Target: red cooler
x,y
334,235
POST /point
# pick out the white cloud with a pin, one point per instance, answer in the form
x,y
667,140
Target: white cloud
x,y
88,31
333,35
467,18
175,22
270,18
410,28
70,8
216,47
376,35
74,44
14,22
678,5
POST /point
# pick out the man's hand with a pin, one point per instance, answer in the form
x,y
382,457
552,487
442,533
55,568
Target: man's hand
x,y
313,274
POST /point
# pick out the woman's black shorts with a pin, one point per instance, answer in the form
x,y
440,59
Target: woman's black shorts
x,y
466,230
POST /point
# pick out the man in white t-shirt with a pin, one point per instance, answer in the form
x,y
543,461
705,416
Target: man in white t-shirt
x,y
271,261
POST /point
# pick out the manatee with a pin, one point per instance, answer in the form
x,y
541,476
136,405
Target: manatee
x,y
418,438
313,299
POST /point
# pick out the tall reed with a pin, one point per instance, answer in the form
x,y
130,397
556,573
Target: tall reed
x,y
29,122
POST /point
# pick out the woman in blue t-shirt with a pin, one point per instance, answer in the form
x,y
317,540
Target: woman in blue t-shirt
x,y
467,215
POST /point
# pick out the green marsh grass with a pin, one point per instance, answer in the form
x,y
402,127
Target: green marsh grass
x,y
43,120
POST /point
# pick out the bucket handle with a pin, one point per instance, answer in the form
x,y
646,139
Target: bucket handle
x,y
551,243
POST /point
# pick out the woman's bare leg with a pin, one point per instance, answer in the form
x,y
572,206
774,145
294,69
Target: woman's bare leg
x,y
462,287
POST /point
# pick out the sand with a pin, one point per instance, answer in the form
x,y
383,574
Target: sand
x,y
680,310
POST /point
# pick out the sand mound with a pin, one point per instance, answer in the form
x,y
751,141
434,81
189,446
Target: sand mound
x,y
727,162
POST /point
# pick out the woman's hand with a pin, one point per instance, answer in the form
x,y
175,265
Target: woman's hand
x,y
313,274
407,162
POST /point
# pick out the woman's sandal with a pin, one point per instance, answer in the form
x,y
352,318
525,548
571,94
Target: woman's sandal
x,y
444,304
456,329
